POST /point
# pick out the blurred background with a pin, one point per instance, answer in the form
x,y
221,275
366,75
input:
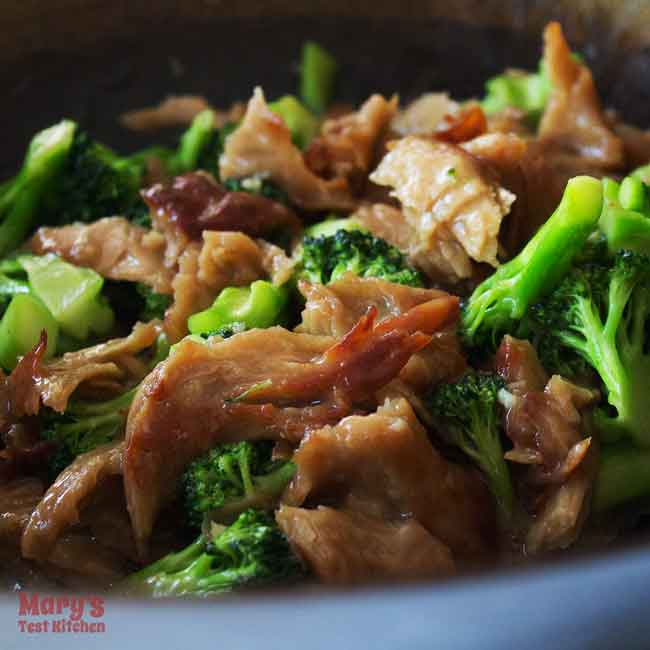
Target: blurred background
x,y
92,59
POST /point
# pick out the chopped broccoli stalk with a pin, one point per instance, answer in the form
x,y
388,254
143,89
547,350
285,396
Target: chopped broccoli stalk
x,y
71,293
466,413
195,142
318,72
261,304
304,126
331,225
232,478
154,304
642,173
625,218
499,302
600,311
10,287
84,426
21,326
22,198
527,91
327,257
251,551
623,476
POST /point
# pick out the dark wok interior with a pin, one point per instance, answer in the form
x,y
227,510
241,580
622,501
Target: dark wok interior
x,y
92,74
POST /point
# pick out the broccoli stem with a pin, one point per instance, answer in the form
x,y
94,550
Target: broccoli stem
x,y
24,195
505,296
193,143
317,76
71,293
487,452
111,407
260,493
623,476
304,126
625,218
262,304
21,327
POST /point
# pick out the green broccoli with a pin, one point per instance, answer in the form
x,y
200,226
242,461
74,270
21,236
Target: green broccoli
x,y
623,476
21,327
250,552
195,143
202,145
625,218
23,198
304,126
231,478
154,304
331,225
261,304
326,257
500,302
527,91
73,295
96,182
11,286
466,414
47,293
318,71
600,311
84,424
82,427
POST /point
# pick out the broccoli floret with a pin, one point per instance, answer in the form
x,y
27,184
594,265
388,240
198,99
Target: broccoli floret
x,y
625,219
261,304
327,257
73,295
82,427
250,552
231,478
466,413
600,311
96,182
498,304
154,304
22,199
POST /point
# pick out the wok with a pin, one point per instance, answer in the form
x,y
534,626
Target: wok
x,y
92,59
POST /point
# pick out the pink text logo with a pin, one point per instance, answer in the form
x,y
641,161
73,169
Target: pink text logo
x,y
47,614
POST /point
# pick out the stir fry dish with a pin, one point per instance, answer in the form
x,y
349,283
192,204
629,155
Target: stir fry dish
x,y
323,343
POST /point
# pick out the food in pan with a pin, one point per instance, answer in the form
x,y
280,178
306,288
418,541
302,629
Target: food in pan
x,y
316,342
